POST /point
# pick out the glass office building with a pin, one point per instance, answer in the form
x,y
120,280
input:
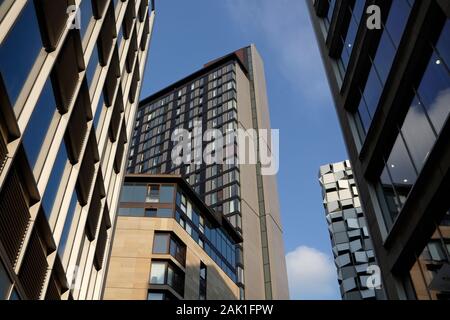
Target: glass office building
x,y
70,78
391,88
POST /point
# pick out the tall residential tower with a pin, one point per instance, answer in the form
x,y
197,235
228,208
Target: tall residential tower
x,y
70,79
391,87
227,94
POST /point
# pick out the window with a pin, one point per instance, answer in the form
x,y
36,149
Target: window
x,y
202,288
158,273
159,212
161,243
92,66
381,64
166,194
86,16
98,110
417,135
5,282
22,45
166,243
166,273
152,193
178,250
67,224
431,267
14,295
155,296
133,193
55,180
39,123
201,224
160,295
151,212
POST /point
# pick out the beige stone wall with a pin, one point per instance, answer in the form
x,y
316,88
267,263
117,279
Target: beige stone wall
x,y
129,267
253,272
272,207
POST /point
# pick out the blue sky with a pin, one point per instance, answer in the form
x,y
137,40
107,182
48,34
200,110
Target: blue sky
x,y
188,34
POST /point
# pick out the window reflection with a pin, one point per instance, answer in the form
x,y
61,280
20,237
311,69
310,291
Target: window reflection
x,y
5,282
54,181
39,123
166,243
68,224
22,45
86,16
92,66
99,110
432,268
434,92
382,63
417,134
443,45
163,272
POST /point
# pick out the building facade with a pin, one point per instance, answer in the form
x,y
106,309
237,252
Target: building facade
x,y
227,94
70,81
349,235
391,91
168,245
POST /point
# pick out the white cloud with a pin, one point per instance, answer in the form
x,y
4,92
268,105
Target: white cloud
x,y
311,274
285,25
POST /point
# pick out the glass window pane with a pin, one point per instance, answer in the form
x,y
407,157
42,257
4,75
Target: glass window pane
x,y
166,194
401,169
39,123
5,282
133,193
55,179
443,45
390,197
418,134
385,57
434,92
158,273
98,110
161,243
22,45
132,212
397,20
85,15
372,92
14,295
68,224
155,296
165,213
152,193
92,66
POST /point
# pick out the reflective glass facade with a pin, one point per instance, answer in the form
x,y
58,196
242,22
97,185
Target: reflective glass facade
x,y
392,102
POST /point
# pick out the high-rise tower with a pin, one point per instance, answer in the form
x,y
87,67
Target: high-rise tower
x,y
227,94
